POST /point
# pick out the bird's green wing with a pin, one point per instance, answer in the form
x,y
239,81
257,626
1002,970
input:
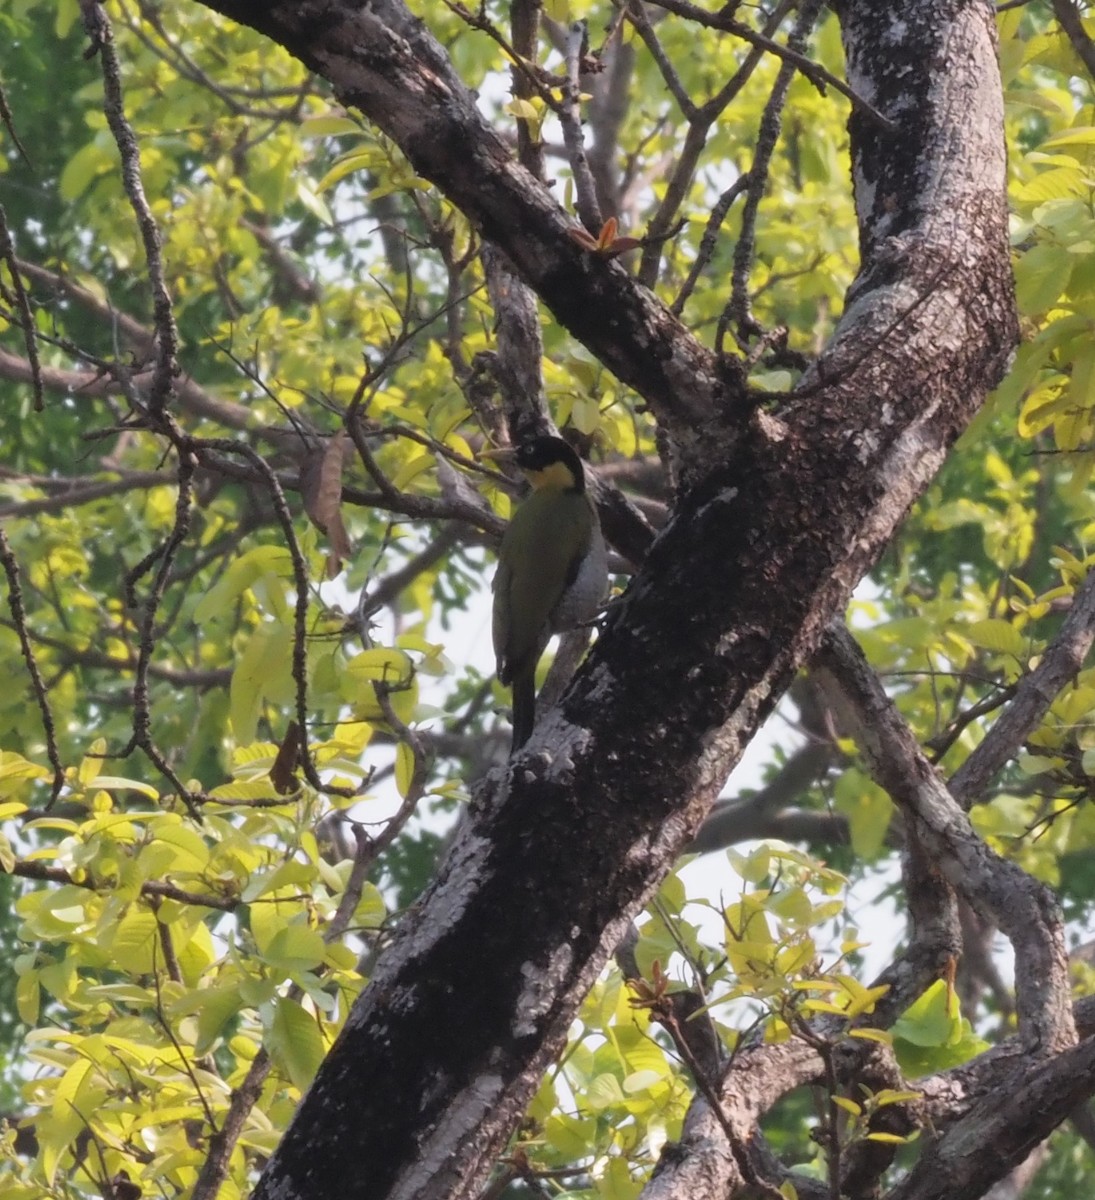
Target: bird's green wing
x,y
539,557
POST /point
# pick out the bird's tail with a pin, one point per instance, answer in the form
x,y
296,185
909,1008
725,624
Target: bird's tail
x,y
524,707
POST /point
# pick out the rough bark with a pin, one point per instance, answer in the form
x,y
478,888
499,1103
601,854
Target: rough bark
x,y
783,512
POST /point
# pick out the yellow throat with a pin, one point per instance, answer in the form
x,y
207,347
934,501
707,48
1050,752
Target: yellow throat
x,y
555,477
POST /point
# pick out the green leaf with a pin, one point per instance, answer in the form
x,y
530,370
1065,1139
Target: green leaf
x,y
295,1042
932,1035
296,948
417,465
263,668
357,160
604,1092
215,1007
270,562
191,854
272,913
286,879
16,771
642,1081
314,203
868,809
329,127
118,783
616,1183
378,665
27,997
1041,275
404,768
1001,637
135,945
68,11
569,1135
1057,184
1078,135
88,770
521,108
83,168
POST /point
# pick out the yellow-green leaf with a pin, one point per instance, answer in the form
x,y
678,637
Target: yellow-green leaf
x,y
27,997
88,770
273,562
404,768
1001,637
328,127
295,1042
296,948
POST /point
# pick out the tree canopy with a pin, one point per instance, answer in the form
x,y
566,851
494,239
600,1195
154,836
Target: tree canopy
x,y
810,288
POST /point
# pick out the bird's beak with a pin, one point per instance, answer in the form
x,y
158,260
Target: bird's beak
x,y
499,453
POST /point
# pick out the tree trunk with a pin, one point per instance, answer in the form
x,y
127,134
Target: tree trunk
x,y
785,506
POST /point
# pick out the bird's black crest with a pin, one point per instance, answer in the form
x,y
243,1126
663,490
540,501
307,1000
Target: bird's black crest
x,y
540,452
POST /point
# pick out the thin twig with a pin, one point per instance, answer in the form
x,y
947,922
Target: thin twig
x,y
608,110
174,973
942,742
709,240
700,120
163,317
22,304
9,125
99,660
738,308
249,372
814,72
480,21
525,30
150,888
390,587
639,19
1034,694
740,1152
570,117
364,857
223,1141
416,507
19,618
164,554
182,64
71,494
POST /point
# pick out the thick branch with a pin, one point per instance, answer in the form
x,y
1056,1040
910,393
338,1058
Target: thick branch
x,y
1023,908
152,888
1071,22
752,816
777,525
1002,1129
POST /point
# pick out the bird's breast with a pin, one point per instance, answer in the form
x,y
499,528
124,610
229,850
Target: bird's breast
x,y
582,599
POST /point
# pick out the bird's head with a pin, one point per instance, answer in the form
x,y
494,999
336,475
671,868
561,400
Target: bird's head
x,y
549,462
